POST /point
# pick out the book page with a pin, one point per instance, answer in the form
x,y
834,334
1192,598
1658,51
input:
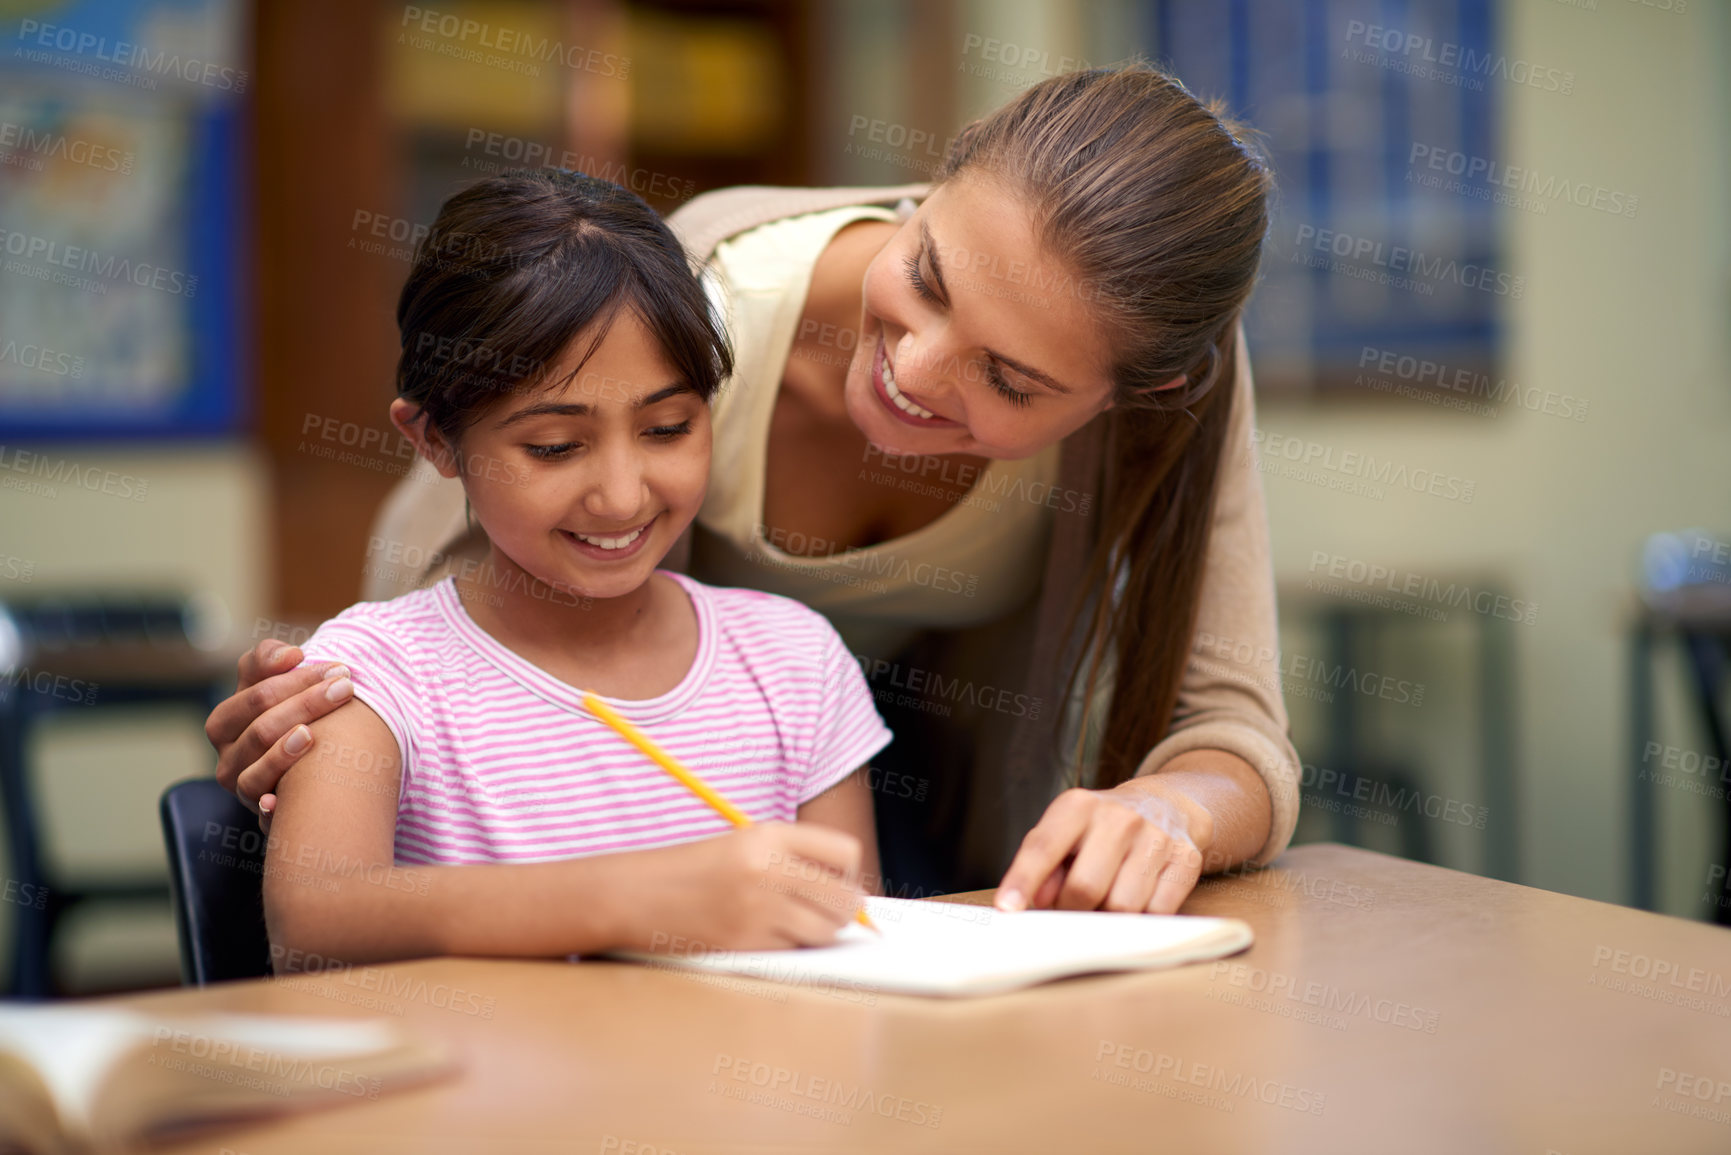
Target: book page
x,y
75,1049
71,1048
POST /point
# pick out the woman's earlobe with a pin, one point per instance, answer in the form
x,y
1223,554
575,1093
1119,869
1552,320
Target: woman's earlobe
x,y
1181,379
411,421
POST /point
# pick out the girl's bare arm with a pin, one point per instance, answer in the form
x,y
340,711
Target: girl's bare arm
x,y
332,889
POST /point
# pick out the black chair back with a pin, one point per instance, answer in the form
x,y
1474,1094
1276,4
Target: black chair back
x,y
216,872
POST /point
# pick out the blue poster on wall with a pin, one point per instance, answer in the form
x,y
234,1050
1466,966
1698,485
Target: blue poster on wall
x,y
1373,247
122,210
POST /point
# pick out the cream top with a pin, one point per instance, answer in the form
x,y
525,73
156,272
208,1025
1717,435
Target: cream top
x,y
976,562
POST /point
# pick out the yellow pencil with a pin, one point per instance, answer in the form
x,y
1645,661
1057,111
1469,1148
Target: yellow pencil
x,y
691,781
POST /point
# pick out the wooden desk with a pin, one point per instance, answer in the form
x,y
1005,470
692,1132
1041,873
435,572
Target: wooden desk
x,y
1412,1009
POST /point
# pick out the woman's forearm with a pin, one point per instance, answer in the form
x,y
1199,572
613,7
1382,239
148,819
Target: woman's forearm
x,y
1223,798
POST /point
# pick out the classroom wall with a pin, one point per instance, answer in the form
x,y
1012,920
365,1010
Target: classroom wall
x,y
200,529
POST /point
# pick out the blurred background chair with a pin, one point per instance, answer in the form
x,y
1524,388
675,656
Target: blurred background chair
x,y
1362,685
1686,599
216,872
59,656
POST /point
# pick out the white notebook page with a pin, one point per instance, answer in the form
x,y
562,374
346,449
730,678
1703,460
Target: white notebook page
x,y
934,948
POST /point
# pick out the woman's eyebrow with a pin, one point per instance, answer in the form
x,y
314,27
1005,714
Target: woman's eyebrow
x,y
1029,371
583,409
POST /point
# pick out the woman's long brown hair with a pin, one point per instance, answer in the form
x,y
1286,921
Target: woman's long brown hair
x,y
1157,205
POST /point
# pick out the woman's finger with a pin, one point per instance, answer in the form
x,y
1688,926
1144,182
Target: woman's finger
x,y
260,779
1047,895
269,657
250,722
235,713
1183,868
259,776
1052,840
1105,846
1141,870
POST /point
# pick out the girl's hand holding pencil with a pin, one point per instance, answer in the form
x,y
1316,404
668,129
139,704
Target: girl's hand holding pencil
x,y
819,867
761,887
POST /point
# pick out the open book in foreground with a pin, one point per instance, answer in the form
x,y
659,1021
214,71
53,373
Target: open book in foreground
x,y
932,948
90,1079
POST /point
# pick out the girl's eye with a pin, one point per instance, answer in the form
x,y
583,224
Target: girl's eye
x,y
918,279
551,452
670,432
995,376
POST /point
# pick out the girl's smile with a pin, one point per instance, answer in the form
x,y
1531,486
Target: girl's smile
x,y
610,547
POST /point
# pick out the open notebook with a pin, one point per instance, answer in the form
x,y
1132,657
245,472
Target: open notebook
x,y
77,1079
931,948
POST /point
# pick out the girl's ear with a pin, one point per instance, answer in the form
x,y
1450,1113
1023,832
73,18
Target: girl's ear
x,y
411,421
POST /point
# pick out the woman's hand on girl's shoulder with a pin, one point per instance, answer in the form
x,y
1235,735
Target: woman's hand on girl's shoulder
x,y
1132,848
260,730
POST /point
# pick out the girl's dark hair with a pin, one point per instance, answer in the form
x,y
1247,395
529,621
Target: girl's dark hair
x,y
516,266
1156,201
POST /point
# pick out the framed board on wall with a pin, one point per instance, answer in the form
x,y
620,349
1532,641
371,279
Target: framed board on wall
x,y
1386,247
123,220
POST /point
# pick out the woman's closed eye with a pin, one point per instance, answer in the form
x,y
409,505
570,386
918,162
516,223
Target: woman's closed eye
x,y
552,452
995,377
918,279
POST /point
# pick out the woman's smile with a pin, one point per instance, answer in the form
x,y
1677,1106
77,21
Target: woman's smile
x,y
899,404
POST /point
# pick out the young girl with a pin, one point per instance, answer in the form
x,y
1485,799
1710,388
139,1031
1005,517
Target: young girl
x,y
558,357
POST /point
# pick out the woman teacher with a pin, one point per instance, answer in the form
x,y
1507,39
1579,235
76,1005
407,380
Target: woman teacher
x,y
1001,437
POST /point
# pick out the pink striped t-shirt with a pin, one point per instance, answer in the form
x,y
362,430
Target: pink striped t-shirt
x,y
501,763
